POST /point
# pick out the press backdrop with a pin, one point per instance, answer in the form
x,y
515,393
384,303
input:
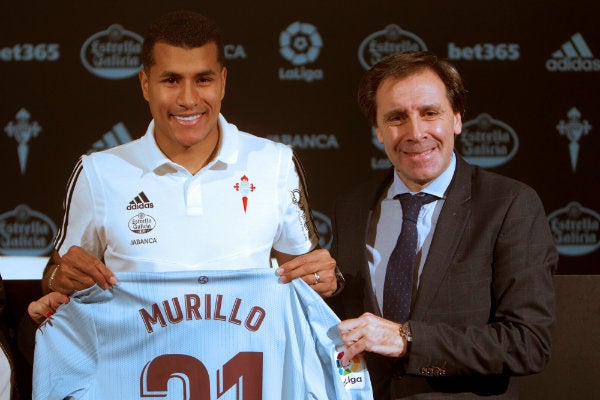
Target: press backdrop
x,y
68,73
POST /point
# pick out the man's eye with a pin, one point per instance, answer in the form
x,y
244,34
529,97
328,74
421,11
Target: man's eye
x,y
170,80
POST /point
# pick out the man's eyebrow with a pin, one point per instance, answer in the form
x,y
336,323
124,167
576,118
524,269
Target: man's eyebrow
x,y
432,106
169,74
397,112
208,72
172,74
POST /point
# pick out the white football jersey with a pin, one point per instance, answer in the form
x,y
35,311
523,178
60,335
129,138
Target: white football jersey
x,y
198,335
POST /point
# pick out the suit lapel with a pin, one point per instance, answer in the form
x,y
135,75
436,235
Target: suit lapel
x,y
450,226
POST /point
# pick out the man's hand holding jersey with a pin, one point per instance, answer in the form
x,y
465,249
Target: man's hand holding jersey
x,y
77,270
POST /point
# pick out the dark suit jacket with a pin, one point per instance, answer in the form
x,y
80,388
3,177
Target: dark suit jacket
x,y
484,309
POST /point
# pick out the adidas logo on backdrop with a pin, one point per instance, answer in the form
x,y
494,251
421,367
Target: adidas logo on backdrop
x,y
140,202
118,135
573,56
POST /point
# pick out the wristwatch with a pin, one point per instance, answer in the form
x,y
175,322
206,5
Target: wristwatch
x,y
405,332
341,281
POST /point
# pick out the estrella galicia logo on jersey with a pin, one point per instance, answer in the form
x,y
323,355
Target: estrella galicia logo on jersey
x,y
25,232
22,130
487,142
113,54
392,39
323,225
300,43
140,202
142,223
575,229
203,279
573,129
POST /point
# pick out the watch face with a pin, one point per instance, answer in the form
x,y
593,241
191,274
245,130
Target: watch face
x,y
405,331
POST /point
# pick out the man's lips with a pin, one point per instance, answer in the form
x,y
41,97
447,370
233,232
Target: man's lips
x,y
188,119
422,152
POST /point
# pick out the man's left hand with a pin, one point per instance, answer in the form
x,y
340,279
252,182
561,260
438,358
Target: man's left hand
x,y
316,268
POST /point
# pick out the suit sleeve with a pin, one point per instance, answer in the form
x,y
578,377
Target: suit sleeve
x,y
516,338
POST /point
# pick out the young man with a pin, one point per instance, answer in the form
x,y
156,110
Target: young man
x,y
194,192
476,304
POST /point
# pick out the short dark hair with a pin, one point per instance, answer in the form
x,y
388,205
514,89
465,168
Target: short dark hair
x,y
403,64
185,29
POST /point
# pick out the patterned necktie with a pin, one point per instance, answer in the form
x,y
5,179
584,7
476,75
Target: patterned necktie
x,y
398,285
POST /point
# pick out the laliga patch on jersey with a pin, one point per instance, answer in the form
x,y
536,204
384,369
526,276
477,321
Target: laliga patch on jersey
x,y
353,374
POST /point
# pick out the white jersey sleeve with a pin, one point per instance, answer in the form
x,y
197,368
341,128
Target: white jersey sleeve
x,y
297,233
198,335
79,227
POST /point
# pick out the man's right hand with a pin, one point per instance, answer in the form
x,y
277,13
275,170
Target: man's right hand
x,y
76,270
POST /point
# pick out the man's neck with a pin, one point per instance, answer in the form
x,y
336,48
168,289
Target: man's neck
x,y
194,158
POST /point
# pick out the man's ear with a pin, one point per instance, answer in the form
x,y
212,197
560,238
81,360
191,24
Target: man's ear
x,y
143,77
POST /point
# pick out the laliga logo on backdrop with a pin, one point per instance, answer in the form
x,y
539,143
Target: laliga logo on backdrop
x,y
113,54
378,163
574,55
25,232
300,44
323,225
487,142
23,131
388,41
574,129
575,229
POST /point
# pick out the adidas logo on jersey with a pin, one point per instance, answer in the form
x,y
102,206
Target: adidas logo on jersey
x,y
140,202
574,55
117,136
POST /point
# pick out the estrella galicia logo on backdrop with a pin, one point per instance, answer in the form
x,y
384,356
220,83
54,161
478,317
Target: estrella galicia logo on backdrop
x,y
378,163
113,54
573,129
389,40
118,135
573,56
487,142
30,52
324,228
316,141
23,130
575,229
25,232
300,43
